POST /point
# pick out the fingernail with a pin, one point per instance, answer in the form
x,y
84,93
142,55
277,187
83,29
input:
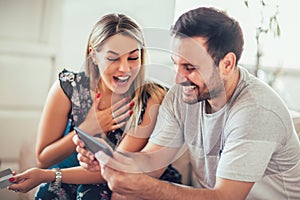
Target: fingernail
x,y
98,95
131,104
14,172
130,112
92,157
11,179
126,99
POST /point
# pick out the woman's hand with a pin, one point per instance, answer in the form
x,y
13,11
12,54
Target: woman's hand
x,y
108,119
30,178
86,158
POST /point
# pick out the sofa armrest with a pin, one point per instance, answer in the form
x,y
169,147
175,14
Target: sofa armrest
x,y
27,160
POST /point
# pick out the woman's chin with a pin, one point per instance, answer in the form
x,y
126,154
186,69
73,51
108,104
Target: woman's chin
x,y
121,89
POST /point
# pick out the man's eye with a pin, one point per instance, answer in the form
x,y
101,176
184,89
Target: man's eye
x,y
189,68
133,58
112,59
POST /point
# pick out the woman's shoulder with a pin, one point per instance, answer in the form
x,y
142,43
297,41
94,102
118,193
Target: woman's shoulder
x,y
70,81
70,76
155,84
155,91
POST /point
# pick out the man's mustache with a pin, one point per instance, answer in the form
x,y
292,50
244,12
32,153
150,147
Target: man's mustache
x,y
187,83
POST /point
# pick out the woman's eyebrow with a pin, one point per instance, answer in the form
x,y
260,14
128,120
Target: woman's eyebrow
x,y
117,54
133,51
112,52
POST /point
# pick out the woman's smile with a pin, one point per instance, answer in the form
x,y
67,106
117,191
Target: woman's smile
x,y
122,81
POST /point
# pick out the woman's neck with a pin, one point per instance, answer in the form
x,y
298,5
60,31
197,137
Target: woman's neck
x,y
108,97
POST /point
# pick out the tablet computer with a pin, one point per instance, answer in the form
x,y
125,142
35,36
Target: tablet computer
x,y
92,144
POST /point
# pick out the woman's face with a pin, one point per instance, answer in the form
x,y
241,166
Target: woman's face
x,y
119,61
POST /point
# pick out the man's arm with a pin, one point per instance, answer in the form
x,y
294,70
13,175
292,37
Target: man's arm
x,y
141,186
132,183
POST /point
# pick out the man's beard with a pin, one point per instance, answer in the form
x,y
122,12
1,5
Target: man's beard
x,y
202,96
196,99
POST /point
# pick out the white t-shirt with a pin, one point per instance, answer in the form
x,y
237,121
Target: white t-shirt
x,y
251,139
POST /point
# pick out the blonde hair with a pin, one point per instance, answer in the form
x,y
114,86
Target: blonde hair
x,y
108,26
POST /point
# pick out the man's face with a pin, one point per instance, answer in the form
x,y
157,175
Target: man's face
x,y
195,70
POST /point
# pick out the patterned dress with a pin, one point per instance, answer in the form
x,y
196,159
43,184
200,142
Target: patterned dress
x,y
77,88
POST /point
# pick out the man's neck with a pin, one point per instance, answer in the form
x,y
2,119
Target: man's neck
x,y
217,103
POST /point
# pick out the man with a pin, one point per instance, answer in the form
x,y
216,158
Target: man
x,y
238,132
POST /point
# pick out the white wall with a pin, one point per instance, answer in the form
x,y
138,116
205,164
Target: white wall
x,y
80,16
27,60
282,51
37,39
278,53
28,42
40,37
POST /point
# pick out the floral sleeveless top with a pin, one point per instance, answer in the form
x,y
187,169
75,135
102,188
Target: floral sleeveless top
x,y
77,88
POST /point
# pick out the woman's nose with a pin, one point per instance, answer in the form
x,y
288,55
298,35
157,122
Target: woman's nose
x,y
124,66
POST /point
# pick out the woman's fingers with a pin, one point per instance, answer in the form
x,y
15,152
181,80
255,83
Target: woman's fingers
x,y
118,104
86,159
117,126
114,117
77,141
25,181
123,116
84,155
123,109
88,163
97,100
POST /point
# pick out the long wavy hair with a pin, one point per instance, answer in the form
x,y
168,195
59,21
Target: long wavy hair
x,y
108,26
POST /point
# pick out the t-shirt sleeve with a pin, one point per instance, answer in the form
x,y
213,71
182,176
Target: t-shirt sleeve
x,y
252,135
168,128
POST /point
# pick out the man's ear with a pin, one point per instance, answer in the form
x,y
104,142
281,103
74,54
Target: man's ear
x,y
228,63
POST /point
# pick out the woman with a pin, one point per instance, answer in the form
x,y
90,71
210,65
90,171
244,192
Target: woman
x,y
110,97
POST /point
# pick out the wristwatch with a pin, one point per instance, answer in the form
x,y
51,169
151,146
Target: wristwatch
x,y
58,176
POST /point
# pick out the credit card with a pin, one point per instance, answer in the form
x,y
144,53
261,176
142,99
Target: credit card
x,y
5,175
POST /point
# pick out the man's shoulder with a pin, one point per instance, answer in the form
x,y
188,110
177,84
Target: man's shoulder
x,y
173,96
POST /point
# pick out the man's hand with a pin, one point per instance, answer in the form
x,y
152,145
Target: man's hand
x,y
122,174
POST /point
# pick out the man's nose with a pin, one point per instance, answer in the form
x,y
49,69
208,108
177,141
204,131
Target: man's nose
x,y
180,75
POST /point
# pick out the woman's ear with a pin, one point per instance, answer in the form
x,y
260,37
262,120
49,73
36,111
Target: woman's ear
x,y
92,54
228,63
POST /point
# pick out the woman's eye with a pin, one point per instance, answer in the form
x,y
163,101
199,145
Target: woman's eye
x,y
112,59
133,58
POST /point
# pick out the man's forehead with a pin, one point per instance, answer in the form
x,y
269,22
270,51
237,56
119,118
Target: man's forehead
x,y
191,48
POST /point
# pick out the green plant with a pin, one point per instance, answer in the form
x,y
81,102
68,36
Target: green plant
x,y
268,24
